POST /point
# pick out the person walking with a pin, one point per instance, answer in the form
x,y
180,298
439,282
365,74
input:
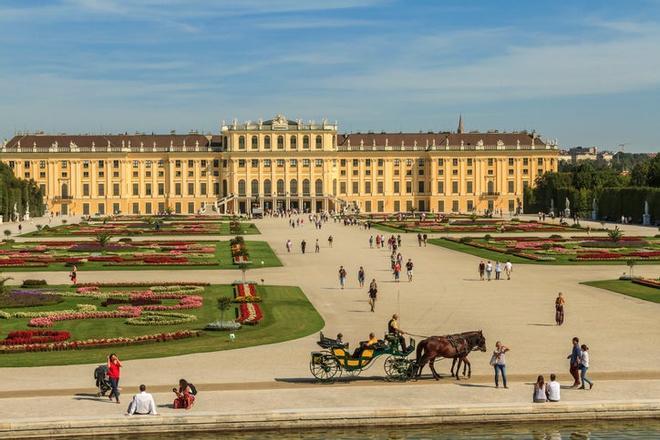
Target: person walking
x,y
288,246
508,267
330,239
574,359
377,241
317,247
74,275
303,245
397,271
498,270
114,367
498,361
361,276
559,309
584,366
425,237
482,269
342,276
489,270
540,391
419,239
373,294
371,241
409,270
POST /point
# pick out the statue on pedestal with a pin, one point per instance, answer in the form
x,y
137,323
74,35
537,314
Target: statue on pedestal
x,y
646,217
567,211
594,209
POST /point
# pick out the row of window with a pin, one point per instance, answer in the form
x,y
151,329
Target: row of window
x,y
293,142
254,163
280,187
422,186
456,206
148,189
135,208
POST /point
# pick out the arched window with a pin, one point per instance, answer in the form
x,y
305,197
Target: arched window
x,y
241,142
241,187
267,142
65,190
255,143
319,142
293,187
306,187
306,142
254,187
318,187
280,187
268,190
294,142
491,187
280,142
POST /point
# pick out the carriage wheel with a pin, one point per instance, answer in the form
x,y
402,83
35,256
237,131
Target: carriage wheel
x,y
324,369
398,368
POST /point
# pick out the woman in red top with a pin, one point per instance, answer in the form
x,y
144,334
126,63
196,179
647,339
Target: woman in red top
x,y
114,365
184,396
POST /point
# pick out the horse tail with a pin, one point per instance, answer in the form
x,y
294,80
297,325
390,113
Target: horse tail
x,y
420,348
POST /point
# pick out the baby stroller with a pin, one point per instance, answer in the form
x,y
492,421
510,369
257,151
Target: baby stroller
x,y
102,381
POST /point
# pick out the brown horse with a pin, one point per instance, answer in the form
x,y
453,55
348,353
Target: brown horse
x,y
450,347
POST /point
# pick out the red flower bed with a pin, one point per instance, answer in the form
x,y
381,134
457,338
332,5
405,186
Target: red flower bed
x,y
105,342
647,282
165,260
249,313
138,284
21,337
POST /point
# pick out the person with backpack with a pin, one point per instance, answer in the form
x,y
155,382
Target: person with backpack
x,y
185,395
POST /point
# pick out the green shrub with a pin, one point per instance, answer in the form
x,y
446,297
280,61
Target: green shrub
x,y
555,236
34,283
465,239
125,240
488,237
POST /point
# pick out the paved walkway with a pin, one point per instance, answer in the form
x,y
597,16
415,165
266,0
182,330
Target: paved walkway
x,y
445,297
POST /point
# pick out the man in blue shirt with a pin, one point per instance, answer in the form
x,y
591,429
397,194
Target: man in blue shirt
x,y
574,358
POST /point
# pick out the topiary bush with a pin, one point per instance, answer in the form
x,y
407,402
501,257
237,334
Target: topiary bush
x,y
34,283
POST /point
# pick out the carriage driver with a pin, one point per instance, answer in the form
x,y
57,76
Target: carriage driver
x,y
394,330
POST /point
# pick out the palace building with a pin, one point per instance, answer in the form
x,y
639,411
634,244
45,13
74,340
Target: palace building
x,y
282,163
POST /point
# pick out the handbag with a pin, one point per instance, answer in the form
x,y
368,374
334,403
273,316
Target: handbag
x,y
493,360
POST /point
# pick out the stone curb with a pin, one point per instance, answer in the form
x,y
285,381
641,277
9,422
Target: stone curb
x,y
320,418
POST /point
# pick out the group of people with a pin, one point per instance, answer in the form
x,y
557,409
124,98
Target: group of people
x,y
487,269
143,403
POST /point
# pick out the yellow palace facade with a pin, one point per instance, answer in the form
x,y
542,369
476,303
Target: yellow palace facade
x,y
281,164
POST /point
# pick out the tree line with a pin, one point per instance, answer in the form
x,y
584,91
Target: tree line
x,y
18,194
620,188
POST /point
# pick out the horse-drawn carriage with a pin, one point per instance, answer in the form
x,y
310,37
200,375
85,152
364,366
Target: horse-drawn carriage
x,y
336,359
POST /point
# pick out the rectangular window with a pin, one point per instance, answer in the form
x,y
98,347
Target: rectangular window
x,y
191,163
202,163
408,187
85,209
454,206
420,186
454,162
379,186
367,206
397,206
216,188
367,187
147,189
202,188
408,205
319,162
42,164
115,189
469,162
136,208
101,189
147,208
280,162
42,175
267,163
191,188
136,189
85,164
381,206
177,207
525,161
161,189
490,161
191,207
355,187
441,206
469,189
510,171
86,190
511,161
342,162
115,208
441,187
293,163
216,163
469,171
101,208
454,187
136,164
381,162
510,186
441,162
539,161
511,206
161,207
241,163
342,187
177,190
396,187
356,163
255,163
306,162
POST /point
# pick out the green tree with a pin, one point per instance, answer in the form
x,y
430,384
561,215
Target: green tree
x,y
615,234
224,303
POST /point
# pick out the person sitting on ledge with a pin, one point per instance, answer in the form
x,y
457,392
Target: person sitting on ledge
x,y
185,396
142,403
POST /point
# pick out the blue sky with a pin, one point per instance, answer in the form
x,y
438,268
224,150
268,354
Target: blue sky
x,y
584,72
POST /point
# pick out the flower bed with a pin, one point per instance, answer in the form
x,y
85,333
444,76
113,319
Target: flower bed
x,y
249,313
161,318
121,312
648,282
105,342
246,293
29,298
239,252
137,284
24,337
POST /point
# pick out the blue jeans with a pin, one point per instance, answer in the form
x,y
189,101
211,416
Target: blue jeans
x,y
114,385
498,369
583,376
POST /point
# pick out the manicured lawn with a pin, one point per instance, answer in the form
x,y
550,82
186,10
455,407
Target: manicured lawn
x,y
221,259
463,225
488,254
143,229
287,315
628,288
